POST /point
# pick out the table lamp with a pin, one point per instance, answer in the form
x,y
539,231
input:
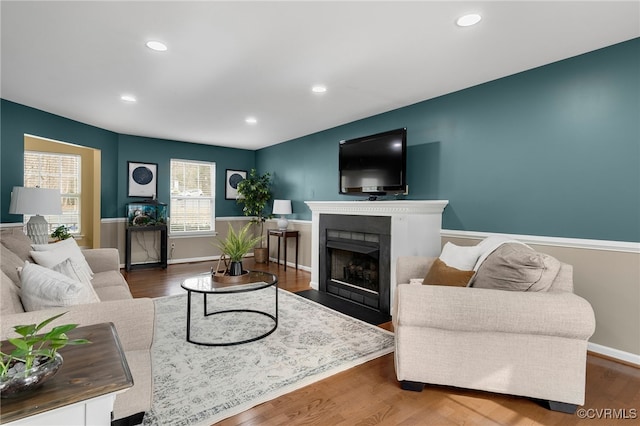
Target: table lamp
x,y
36,201
282,207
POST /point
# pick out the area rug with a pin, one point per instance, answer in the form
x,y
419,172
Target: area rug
x,y
201,385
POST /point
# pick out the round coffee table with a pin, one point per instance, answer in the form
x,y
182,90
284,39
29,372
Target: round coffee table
x,y
207,285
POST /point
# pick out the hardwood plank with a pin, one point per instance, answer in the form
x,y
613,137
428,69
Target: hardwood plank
x,y
370,395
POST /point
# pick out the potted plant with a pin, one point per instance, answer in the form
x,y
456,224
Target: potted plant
x,y
35,358
61,233
236,245
256,192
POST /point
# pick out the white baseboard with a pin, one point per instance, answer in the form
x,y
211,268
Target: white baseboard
x,y
614,353
291,264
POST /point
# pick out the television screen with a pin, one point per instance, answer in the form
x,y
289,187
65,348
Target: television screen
x,y
374,165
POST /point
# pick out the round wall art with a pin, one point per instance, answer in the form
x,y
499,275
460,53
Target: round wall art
x,y
143,180
234,177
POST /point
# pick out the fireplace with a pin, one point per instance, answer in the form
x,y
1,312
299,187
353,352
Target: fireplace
x,y
414,226
355,259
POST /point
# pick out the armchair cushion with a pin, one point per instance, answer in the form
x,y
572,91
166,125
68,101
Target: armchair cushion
x,y
516,267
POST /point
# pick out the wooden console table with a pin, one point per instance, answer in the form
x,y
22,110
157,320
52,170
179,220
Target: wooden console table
x,y
83,391
283,234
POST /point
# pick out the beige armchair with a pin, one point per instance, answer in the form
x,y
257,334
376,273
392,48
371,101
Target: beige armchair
x,y
531,344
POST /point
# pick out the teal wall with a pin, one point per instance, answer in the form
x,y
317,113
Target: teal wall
x,y
553,151
160,151
18,120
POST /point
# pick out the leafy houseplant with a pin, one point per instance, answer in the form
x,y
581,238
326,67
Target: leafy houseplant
x,y
61,233
35,357
256,190
236,245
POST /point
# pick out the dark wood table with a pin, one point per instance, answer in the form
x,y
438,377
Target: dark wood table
x,y
283,234
88,371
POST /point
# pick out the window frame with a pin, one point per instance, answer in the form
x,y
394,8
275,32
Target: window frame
x,y
212,199
54,220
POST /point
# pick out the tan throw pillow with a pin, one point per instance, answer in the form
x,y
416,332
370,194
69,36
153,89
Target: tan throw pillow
x,y
442,274
516,267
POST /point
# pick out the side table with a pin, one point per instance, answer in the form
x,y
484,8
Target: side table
x,y
162,262
85,388
283,234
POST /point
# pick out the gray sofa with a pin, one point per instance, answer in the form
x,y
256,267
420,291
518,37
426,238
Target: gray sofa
x,y
525,343
133,318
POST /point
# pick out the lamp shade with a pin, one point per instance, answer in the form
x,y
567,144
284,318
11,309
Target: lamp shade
x,y
38,201
281,206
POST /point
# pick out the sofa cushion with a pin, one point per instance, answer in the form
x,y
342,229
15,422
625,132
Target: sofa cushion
x,y
59,261
516,267
109,279
442,274
44,288
9,263
460,257
113,293
16,241
9,296
66,249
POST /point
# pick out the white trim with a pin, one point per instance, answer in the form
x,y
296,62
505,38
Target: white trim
x,y
113,220
614,353
11,225
124,219
621,246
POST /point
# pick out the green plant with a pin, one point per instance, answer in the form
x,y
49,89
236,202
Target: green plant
x,y
32,346
256,190
61,233
236,245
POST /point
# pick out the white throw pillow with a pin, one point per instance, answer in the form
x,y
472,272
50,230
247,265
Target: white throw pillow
x,y
44,288
57,261
460,257
67,249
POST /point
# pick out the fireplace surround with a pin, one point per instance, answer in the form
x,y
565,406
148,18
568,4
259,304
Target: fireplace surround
x,y
415,227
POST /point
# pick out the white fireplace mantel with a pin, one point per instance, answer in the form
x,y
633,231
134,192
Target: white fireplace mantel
x,y
415,228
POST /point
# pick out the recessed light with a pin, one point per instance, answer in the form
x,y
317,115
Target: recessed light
x,y
128,98
468,20
251,120
157,46
319,88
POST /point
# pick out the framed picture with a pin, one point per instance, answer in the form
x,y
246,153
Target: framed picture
x,y
143,180
234,177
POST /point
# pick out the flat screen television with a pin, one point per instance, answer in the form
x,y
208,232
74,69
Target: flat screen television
x,y
374,165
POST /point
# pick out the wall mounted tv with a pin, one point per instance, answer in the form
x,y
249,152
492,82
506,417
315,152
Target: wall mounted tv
x,y
374,165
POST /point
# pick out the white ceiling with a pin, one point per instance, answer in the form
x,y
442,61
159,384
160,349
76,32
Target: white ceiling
x,y
230,60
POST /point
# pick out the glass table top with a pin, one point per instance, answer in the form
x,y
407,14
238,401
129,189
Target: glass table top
x,y
253,280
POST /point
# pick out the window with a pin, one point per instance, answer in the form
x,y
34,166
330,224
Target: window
x,y
56,171
192,208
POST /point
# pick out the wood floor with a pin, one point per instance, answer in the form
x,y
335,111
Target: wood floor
x,y
370,395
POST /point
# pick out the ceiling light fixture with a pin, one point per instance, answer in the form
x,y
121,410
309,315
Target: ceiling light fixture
x,y
128,98
319,88
251,120
157,46
468,20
